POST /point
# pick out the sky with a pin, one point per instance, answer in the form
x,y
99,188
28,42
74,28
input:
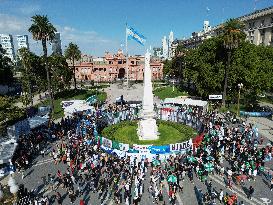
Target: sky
x,y
97,26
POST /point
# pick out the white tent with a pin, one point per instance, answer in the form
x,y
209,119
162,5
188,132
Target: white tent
x,y
186,101
75,106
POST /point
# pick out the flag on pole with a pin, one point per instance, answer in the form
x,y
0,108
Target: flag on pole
x,y
131,33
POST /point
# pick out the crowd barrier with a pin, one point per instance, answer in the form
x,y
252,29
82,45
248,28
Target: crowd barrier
x,y
148,151
255,114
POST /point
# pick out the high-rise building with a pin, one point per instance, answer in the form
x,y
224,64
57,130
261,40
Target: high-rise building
x,y
56,44
7,44
171,39
206,27
165,47
22,41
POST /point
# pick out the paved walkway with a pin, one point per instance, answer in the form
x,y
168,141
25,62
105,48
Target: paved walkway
x,y
134,93
264,125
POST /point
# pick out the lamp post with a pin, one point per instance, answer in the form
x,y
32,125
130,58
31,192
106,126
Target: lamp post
x,y
13,188
1,192
240,86
173,81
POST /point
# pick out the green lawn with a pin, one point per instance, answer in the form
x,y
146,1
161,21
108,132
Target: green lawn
x,y
167,92
72,95
126,132
267,99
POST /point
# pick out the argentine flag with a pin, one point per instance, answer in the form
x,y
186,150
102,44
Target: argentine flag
x,y
133,34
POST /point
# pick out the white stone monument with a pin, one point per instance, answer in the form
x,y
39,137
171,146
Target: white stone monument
x,y
147,128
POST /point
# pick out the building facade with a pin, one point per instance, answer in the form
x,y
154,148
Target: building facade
x,y
165,48
113,67
259,26
22,41
7,44
258,30
171,39
57,44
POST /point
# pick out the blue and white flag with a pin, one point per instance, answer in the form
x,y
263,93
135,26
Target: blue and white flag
x,y
133,34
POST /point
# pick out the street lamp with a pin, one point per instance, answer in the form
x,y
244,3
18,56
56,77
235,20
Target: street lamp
x,y
13,188
173,81
1,192
240,86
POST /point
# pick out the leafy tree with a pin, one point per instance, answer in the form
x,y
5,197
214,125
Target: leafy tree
x,y
6,75
205,66
9,114
42,30
73,53
61,73
232,37
167,67
25,59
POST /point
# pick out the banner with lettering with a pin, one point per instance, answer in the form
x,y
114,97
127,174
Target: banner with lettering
x,y
181,147
164,149
143,149
106,142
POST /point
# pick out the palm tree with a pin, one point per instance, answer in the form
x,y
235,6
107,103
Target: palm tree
x,y
73,53
25,57
233,35
42,30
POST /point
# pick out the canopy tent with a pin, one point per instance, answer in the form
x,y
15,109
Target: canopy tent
x,y
7,149
92,99
186,101
73,106
37,121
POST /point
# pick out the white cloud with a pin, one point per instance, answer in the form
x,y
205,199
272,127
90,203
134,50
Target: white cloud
x,y
12,24
78,36
29,9
90,42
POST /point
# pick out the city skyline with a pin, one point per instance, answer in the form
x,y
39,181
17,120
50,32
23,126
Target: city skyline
x,y
106,32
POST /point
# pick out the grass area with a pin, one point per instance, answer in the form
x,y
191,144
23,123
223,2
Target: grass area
x,y
126,132
267,99
232,108
167,92
72,95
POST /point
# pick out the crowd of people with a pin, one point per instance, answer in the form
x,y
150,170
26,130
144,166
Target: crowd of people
x,y
231,151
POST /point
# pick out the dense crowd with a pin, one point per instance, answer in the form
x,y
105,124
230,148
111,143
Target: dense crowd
x,y
228,150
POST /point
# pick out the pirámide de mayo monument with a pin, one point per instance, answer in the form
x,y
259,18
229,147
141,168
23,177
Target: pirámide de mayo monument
x,y
147,127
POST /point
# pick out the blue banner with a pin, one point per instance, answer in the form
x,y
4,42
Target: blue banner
x,y
164,149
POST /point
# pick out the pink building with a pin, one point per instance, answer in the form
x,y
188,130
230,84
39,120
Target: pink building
x,y
113,67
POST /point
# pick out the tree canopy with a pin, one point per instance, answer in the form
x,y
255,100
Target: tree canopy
x,y
205,68
6,75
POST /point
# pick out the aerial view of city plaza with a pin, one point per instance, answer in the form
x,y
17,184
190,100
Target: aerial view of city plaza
x,y
136,102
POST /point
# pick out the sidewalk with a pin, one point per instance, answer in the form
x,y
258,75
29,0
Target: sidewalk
x,y
36,100
264,125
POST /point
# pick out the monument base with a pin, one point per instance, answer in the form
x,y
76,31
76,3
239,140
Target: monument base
x,y
147,129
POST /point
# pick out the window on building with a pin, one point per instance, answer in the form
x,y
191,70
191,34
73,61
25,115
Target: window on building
x,y
104,69
262,23
119,62
132,62
272,20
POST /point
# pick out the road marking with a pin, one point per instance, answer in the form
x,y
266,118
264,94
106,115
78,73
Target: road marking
x,y
43,162
241,194
177,195
240,190
266,201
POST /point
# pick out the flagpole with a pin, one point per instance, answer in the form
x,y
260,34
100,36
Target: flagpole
x,y
126,47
